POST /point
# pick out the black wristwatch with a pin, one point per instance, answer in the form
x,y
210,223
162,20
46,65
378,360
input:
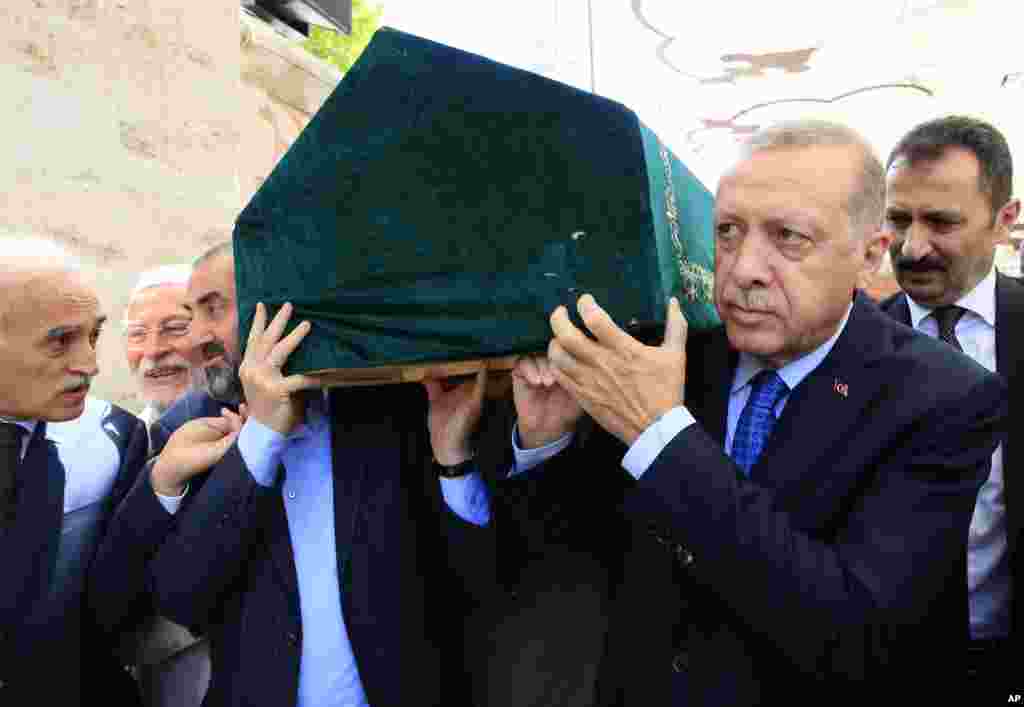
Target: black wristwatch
x,y
454,472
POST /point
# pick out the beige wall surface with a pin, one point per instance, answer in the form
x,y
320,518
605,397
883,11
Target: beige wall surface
x,y
133,132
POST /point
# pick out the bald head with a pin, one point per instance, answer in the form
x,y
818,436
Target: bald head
x,y
26,264
19,253
49,326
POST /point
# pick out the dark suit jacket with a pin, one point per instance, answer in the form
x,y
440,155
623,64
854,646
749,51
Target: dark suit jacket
x,y
837,569
1010,366
410,568
193,404
52,649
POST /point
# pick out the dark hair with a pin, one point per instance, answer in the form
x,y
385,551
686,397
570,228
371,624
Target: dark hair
x,y
928,141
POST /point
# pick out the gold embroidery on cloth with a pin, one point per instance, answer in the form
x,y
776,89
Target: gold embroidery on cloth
x,y
698,283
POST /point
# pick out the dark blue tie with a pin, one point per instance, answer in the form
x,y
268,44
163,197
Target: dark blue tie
x,y
757,419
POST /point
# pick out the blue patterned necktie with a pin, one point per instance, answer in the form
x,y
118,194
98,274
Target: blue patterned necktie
x,y
757,419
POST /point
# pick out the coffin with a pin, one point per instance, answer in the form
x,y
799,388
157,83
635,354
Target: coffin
x,y
440,205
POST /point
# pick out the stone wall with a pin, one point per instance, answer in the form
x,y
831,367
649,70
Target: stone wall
x,y
134,131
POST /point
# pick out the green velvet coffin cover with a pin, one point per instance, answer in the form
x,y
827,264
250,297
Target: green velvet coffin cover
x,y
440,205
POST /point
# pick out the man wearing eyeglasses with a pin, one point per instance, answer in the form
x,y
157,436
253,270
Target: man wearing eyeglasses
x,y
156,338
171,664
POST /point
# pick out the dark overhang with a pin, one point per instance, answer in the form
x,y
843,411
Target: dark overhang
x,y
293,18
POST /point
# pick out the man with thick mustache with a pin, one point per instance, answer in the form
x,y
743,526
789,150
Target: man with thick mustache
x,y
948,204
65,461
156,340
772,508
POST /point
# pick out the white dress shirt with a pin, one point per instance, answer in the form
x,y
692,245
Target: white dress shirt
x,y
90,458
149,415
988,562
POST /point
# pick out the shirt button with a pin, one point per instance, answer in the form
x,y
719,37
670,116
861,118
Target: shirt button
x,y
291,494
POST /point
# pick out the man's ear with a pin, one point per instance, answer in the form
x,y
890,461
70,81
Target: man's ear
x,y
875,248
1006,218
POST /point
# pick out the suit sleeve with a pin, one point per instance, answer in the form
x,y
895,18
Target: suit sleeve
x,y
836,606
556,506
200,561
158,436
117,591
119,584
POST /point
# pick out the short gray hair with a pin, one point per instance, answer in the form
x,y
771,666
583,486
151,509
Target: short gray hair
x,y
163,275
225,248
866,203
24,253
27,255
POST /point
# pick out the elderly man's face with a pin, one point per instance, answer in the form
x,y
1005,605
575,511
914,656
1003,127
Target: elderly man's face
x,y
211,300
157,342
786,259
49,327
945,233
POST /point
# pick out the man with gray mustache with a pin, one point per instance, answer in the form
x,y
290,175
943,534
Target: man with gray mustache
x,y
785,498
156,340
66,461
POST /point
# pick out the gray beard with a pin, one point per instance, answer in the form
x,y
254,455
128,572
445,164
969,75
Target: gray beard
x,y
222,384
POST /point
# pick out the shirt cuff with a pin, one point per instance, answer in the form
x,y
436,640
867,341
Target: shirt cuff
x,y
467,497
526,459
654,439
261,449
171,503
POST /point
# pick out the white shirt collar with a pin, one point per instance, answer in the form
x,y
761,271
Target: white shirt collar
x,y
149,414
793,372
980,301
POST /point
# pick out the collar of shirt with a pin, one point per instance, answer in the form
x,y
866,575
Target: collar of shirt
x,y
794,371
149,414
981,302
29,425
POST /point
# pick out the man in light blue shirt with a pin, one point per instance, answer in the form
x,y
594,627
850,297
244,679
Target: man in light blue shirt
x,y
339,515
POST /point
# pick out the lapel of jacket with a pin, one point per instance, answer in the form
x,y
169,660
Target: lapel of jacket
x,y
710,364
279,543
900,310
349,469
41,512
826,404
1009,361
